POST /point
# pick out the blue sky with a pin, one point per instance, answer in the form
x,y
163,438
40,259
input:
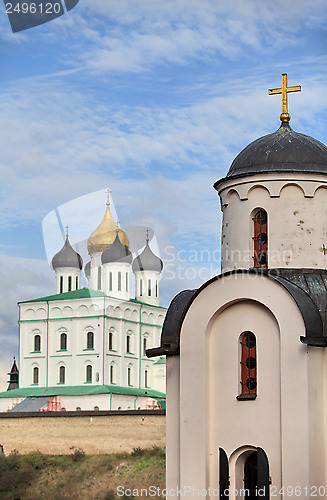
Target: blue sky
x,y
153,99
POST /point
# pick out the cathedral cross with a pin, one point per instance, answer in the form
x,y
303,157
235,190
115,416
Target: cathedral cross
x,y
67,234
108,195
284,89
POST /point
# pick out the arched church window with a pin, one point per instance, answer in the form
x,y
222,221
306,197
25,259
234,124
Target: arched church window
x,y
89,373
141,288
119,281
35,375
76,282
110,281
126,282
260,239
248,366
128,343
111,340
156,288
69,283
63,342
145,345
61,284
112,373
129,375
149,288
62,375
37,343
90,340
146,378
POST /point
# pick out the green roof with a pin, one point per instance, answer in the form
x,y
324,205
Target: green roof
x,y
82,293
161,361
80,390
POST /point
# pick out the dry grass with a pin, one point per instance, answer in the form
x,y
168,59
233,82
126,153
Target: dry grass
x,y
86,477
112,434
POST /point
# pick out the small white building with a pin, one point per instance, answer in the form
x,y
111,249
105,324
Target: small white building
x,y
246,357
85,347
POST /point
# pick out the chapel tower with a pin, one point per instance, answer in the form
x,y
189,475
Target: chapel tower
x,y
274,201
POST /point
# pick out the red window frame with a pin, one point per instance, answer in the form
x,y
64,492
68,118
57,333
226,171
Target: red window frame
x,y
260,238
248,365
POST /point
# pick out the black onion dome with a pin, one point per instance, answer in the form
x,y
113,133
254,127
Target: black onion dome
x,y
147,261
87,269
67,257
116,252
283,151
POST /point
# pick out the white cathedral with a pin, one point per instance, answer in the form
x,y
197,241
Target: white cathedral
x,y
251,342
85,348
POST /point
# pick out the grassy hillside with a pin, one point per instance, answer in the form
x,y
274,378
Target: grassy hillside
x,y
93,477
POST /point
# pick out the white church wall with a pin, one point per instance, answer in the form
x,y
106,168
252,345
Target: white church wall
x,y
292,202
209,366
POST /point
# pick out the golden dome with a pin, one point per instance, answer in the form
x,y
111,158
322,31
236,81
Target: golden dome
x,y
105,234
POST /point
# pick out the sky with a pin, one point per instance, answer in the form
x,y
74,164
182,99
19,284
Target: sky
x,y
152,99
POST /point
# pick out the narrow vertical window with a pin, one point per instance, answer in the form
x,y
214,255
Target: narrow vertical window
x,y
260,238
149,288
61,284
90,340
63,342
248,366
69,283
37,343
62,375
141,288
110,281
76,284
119,281
112,381
111,343
99,278
129,376
126,282
35,375
144,346
156,288
89,373
146,379
128,343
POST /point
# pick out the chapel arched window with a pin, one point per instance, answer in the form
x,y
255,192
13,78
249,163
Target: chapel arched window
x,y
129,376
90,340
69,283
62,375
260,239
89,373
248,380
63,342
35,375
37,343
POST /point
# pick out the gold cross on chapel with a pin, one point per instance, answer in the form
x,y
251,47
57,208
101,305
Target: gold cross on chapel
x,y
67,233
285,116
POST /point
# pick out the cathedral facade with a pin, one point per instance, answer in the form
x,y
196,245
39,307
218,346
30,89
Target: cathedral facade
x,y
251,341
86,347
